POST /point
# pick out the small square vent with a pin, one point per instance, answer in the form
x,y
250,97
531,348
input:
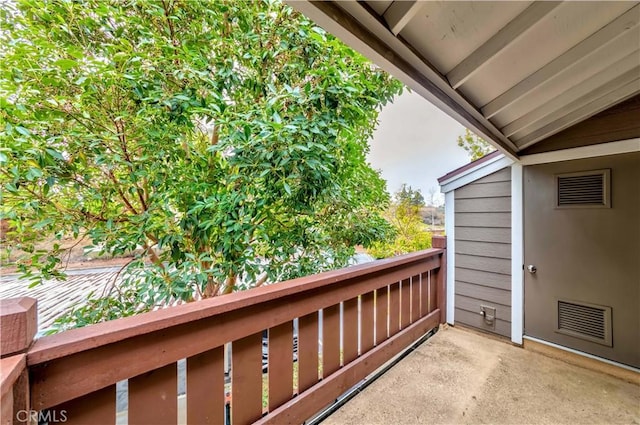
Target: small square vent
x,y
585,321
587,189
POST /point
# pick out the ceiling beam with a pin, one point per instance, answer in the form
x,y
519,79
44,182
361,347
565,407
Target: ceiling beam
x,y
616,96
629,65
563,63
507,35
357,27
400,13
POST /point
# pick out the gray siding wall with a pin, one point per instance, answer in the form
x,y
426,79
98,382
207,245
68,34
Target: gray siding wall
x,y
483,251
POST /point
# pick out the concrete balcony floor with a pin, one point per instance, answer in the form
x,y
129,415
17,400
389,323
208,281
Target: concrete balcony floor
x,y
460,377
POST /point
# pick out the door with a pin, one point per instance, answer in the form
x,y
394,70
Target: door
x,y
583,289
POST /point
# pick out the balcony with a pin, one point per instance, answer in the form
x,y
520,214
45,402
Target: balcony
x,y
347,323
283,353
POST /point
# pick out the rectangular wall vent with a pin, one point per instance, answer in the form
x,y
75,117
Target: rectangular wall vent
x,y
584,189
585,321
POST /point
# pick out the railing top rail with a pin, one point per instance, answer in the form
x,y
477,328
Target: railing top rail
x,y
76,340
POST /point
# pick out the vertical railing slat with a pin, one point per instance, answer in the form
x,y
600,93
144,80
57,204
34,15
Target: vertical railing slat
x,y
382,313
432,291
350,330
424,294
99,407
153,397
330,340
415,298
205,387
367,322
307,351
394,308
405,299
246,379
280,364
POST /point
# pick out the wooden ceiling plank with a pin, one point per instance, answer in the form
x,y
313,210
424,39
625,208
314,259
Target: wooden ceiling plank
x,y
507,35
629,65
400,13
358,28
563,63
616,96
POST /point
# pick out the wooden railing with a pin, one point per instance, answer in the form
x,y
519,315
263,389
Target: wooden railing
x,y
347,323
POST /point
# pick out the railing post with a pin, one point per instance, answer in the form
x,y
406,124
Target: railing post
x,y
18,326
441,276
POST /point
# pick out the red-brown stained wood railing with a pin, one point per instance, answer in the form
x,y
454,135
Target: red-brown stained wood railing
x,y
18,325
394,308
415,298
76,368
280,364
350,330
330,339
153,398
247,379
405,303
382,314
425,307
308,351
11,368
367,315
441,279
98,407
205,386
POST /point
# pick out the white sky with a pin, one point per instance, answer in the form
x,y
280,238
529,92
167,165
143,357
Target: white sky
x,y
415,143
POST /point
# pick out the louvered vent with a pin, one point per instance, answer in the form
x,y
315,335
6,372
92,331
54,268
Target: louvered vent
x,y
585,189
585,321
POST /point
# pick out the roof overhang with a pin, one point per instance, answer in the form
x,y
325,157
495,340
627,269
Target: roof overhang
x,y
473,171
515,73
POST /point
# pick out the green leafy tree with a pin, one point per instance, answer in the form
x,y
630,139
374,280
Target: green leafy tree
x,y
476,146
409,195
224,140
410,234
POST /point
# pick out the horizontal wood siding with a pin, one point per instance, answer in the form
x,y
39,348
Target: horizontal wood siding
x,y
483,234
487,264
496,204
483,252
484,249
478,277
484,190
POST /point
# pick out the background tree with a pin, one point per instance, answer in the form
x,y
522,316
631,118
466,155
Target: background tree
x,y
407,194
410,232
476,146
224,139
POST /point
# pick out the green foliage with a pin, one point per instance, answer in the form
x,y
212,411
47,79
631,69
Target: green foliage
x,y
410,196
225,140
410,232
476,146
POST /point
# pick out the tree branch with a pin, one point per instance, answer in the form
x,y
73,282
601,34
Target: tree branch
x,y
122,195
